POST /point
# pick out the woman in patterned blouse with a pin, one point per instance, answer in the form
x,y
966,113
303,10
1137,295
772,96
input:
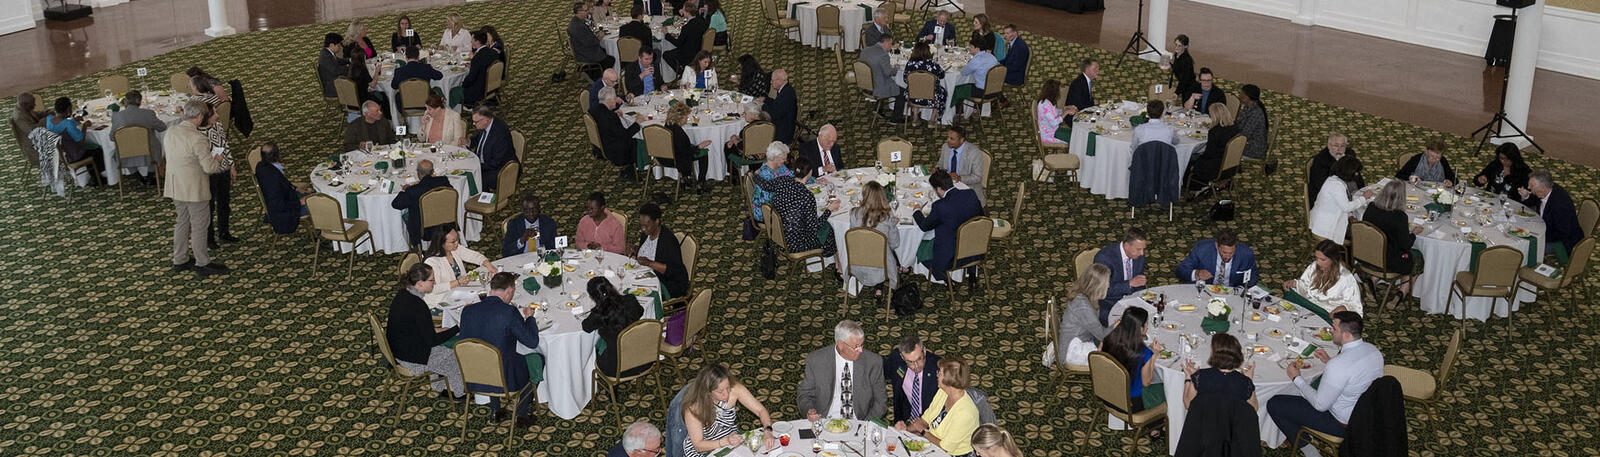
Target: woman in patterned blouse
x,y
922,60
803,228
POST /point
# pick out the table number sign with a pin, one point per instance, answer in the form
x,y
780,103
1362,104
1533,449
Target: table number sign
x,y
561,242
894,156
411,33
400,130
141,72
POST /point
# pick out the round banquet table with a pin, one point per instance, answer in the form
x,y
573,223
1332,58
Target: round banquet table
x,y
1447,244
612,26
718,117
1106,172
358,188
168,108
852,15
569,354
1270,354
857,441
452,64
912,192
952,59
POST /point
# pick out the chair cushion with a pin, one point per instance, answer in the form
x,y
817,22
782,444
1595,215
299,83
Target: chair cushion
x,y
1084,369
1541,281
786,22
475,206
1061,161
1414,384
1464,282
1000,231
805,254
1150,414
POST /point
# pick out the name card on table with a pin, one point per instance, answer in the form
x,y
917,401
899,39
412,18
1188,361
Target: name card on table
x,y
141,72
411,33
486,198
1160,88
895,156
1546,270
400,130
561,242
386,186
725,98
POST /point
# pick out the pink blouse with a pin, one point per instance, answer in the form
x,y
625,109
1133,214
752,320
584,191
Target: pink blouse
x,y
1049,119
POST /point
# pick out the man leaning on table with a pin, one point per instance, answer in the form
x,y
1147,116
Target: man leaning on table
x,y
1125,259
1326,408
189,159
495,321
844,380
1224,261
371,129
410,199
1554,206
530,231
912,372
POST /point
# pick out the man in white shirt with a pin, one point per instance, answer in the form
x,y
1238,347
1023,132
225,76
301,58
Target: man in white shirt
x,y
1153,129
1327,407
844,380
824,151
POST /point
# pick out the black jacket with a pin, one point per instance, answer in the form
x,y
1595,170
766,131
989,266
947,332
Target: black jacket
x,y
1218,426
241,111
329,67
495,151
396,41
616,140
1183,75
894,366
1378,423
813,152
1153,177
676,278
633,81
1321,168
1560,217
1397,228
1080,93
689,39
282,200
784,110
410,200
477,79
640,31
410,331
1411,167
608,319
1517,179
415,69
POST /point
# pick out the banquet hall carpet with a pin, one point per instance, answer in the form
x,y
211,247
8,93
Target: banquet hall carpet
x,y
107,353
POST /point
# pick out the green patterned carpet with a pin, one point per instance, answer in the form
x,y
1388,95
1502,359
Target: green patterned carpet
x,y
106,353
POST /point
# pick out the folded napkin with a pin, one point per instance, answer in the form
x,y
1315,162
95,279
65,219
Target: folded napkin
x,y
1218,324
472,183
352,206
530,284
1436,207
1088,149
1297,299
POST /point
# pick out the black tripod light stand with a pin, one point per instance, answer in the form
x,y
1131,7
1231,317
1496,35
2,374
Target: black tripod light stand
x,y
1138,45
1495,128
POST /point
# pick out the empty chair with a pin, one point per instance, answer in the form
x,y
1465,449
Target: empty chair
x,y
330,226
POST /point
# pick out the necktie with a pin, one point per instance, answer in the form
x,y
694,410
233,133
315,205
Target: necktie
x,y
484,140
844,392
953,154
827,159
1127,268
916,394
1222,279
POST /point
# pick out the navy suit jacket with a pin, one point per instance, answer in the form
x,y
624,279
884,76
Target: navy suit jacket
x,y
410,201
1560,217
949,212
477,79
1016,63
1111,257
417,69
283,201
619,451
495,151
1241,272
813,152
784,110
927,29
893,373
594,91
502,325
1080,93
514,231
652,7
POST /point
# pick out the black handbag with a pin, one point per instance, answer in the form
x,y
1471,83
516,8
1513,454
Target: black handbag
x,y
1222,211
906,300
769,261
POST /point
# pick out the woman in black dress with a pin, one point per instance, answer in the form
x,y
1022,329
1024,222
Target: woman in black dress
x,y
613,312
404,36
686,155
1205,167
1387,212
1223,376
1506,173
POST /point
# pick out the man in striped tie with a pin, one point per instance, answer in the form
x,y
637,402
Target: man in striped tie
x,y
912,371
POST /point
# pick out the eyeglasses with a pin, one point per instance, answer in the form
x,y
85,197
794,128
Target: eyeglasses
x,y
1205,80
1338,145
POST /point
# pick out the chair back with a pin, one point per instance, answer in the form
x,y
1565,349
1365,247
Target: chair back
x,y
439,206
1233,103
480,363
972,239
994,82
1233,154
689,249
325,215
225,116
180,83
594,131
406,262
695,320
583,101
985,159
867,246
507,184
382,338
864,80
1497,268
1369,246
1111,383
621,220
658,142
414,96
757,136
921,84
519,144
254,158
628,49
1050,333
117,84
1084,260
1449,363
1579,261
889,8
347,93
888,146
828,20
638,344
1588,215
708,40
133,141
494,78
1016,208
774,226
838,57
1400,160
769,10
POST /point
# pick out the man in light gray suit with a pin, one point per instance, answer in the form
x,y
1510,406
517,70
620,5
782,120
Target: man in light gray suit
x,y
844,380
135,115
963,160
330,64
876,55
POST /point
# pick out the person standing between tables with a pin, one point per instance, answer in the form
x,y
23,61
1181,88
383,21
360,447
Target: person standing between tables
x,y
331,63
597,229
640,439
1327,407
613,313
1253,122
418,346
1080,95
586,41
1387,213
1153,129
1183,69
843,381
189,159
494,146
134,114
1223,374
659,250
495,321
1322,164
1125,260
1506,173
1126,344
952,416
912,372
1080,331
530,231
710,414
410,200
451,261
1016,55
1330,216
783,107
404,36
1430,166
963,160
989,440
371,129
945,216
1328,282
1223,261
221,182
1554,205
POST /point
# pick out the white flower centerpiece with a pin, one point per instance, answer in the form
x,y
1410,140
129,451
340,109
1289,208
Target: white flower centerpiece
x,y
551,272
1446,198
397,157
1218,308
887,181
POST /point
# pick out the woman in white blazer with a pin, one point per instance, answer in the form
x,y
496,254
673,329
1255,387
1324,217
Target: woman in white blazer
x,y
1330,216
450,261
1328,282
442,125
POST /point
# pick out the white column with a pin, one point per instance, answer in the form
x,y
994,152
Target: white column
x,y
1156,30
1307,14
219,19
1524,59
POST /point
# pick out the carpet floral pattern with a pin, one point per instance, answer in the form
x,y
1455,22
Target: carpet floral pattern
x,y
106,353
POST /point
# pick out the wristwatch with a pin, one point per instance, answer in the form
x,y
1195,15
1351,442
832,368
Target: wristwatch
x,y
766,427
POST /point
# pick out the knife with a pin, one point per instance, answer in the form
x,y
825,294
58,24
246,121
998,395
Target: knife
x,y
903,445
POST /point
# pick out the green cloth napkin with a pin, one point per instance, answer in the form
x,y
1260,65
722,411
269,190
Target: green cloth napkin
x,y
660,296
1477,248
113,107
1214,324
1089,150
879,422
1533,251
1437,207
868,10
456,94
793,7
1560,250
472,183
381,165
600,345
962,92
641,157
1298,300
1064,132
535,367
530,284
700,153
825,233
352,207
451,343
925,251
1153,395
1138,120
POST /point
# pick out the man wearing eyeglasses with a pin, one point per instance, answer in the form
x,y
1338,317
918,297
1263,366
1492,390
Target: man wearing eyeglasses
x,y
1203,98
640,440
913,374
843,381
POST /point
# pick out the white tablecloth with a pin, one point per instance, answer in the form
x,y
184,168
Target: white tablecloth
x,y
1270,378
911,192
952,59
718,120
168,109
613,25
452,64
852,15
388,229
1447,249
1106,173
569,355
858,438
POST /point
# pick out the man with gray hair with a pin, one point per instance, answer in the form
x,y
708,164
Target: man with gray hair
x,y
133,114
912,371
189,159
1554,205
616,141
874,31
640,440
824,151
368,130
843,381
1322,165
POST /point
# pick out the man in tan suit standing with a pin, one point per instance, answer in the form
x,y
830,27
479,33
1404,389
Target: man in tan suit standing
x,y
189,159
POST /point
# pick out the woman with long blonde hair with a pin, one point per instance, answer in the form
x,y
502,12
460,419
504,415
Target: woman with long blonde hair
x,y
874,213
992,441
1328,282
355,36
1080,330
709,415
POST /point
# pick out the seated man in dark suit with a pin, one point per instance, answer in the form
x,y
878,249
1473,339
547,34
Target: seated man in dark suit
x,y
1204,93
638,28
827,140
687,42
474,85
640,78
953,208
493,145
586,42
1322,165
414,69
783,107
1224,261
1554,205
285,201
640,439
912,372
1081,94
937,31
530,231
616,141
409,199
331,63
495,321
608,78
1126,262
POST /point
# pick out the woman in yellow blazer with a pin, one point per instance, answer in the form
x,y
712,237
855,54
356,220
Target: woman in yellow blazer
x,y
952,416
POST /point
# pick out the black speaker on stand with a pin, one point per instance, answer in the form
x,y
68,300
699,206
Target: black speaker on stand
x,y
1499,54
60,10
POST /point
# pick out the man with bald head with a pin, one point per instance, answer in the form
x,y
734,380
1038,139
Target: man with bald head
x,y
782,107
607,79
824,151
410,199
370,128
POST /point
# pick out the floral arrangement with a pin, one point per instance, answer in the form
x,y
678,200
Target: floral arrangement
x,y
1445,197
551,271
1218,307
887,181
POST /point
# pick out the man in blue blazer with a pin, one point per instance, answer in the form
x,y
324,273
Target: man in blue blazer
x,y
476,83
1554,205
938,30
414,69
1126,261
953,208
1016,61
1080,95
520,230
1222,261
283,199
410,199
495,321
909,368
493,145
